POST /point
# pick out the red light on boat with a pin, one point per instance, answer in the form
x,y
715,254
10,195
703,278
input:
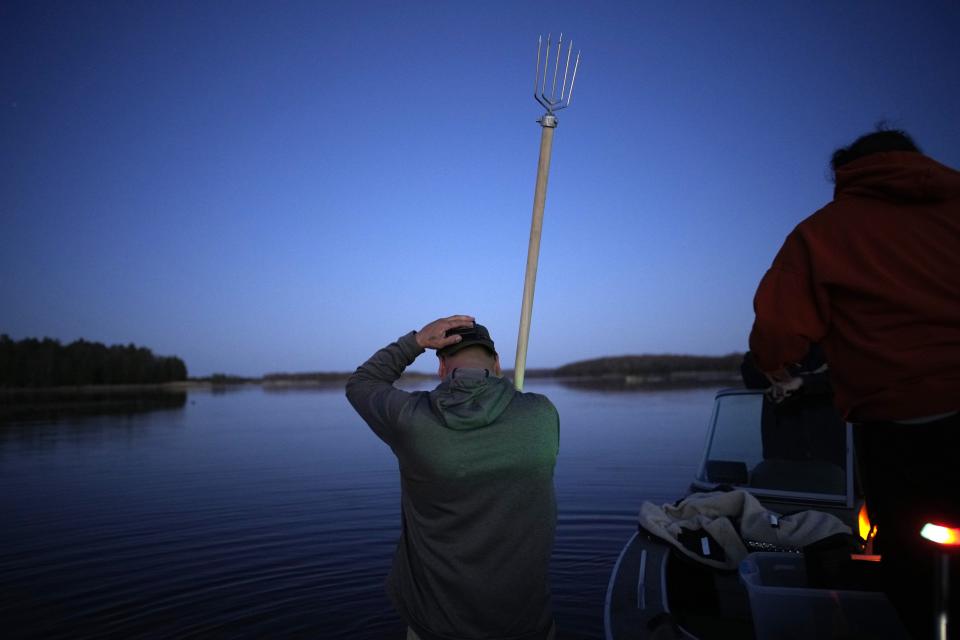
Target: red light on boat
x,y
948,536
865,557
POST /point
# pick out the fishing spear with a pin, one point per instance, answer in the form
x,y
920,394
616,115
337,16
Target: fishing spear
x,y
552,102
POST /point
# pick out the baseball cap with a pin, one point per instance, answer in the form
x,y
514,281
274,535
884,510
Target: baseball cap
x,y
471,336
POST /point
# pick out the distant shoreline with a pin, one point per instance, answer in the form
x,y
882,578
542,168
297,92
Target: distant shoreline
x,y
102,388
621,372
601,382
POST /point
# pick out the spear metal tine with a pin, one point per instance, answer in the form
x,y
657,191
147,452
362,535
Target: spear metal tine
x,y
556,68
566,68
536,80
573,79
546,65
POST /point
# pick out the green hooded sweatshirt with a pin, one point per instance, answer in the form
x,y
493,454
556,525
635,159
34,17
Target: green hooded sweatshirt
x,y
476,467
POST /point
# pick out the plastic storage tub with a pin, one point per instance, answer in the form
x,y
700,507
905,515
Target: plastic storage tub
x,y
784,607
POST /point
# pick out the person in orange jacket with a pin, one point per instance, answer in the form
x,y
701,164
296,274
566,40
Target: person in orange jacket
x,y
874,278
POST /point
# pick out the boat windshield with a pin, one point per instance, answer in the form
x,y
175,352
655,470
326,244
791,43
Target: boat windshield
x,y
799,447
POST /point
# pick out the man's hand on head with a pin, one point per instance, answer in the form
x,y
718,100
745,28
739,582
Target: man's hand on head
x,y
434,335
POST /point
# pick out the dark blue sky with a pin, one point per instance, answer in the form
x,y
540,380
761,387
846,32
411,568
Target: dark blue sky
x,y
289,185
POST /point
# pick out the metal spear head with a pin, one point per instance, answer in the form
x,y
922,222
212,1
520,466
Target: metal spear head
x,y
553,101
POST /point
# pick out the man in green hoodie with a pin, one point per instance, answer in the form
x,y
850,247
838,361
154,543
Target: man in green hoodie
x,y
478,508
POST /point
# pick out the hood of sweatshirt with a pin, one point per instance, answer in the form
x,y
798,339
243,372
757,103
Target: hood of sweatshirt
x,y
471,398
903,176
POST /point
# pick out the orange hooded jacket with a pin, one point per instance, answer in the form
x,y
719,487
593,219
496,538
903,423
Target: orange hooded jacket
x,y
874,277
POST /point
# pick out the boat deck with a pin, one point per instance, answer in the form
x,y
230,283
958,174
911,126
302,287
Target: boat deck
x,y
696,602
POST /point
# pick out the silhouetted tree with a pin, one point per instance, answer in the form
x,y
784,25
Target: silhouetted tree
x,y
663,364
46,363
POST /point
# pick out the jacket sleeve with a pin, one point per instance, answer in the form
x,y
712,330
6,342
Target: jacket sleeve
x,y
789,316
370,389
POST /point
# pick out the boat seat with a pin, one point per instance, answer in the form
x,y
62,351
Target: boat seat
x,y
727,472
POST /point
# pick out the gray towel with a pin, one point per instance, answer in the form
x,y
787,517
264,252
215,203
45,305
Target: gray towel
x,y
719,513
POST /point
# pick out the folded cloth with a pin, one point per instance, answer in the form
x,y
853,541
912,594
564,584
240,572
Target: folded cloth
x,y
725,519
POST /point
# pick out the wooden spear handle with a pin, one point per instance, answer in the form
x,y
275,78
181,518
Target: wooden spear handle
x,y
548,123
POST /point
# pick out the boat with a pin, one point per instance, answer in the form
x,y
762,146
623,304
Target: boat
x,y
794,460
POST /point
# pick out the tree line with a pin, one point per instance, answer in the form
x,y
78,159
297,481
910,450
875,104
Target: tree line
x,y
312,376
646,365
47,363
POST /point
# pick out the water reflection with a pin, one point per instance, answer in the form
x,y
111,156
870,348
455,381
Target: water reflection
x,y
53,405
262,514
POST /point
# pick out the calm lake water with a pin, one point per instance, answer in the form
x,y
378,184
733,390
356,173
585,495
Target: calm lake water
x,y
271,514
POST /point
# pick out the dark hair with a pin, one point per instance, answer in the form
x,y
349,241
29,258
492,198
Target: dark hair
x,y
883,139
